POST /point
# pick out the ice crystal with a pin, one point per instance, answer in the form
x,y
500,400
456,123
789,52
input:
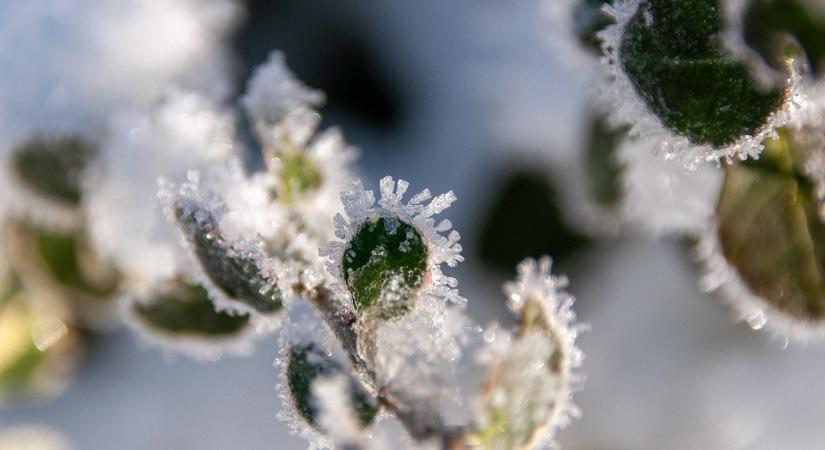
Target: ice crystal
x,y
185,132
532,376
627,106
361,209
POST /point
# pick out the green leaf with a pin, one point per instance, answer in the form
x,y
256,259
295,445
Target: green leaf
x,y
233,271
385,265
771,232
526,219
298,175
64,256
307,363
589,19
54,166
603,168
768,23
185,309
673,54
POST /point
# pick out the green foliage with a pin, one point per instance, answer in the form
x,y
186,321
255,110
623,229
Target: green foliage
x,y
298,175
525,219
771,232
768,23
384,266
63,256
238,276
673,55
589,19
308,363
185,309
54,166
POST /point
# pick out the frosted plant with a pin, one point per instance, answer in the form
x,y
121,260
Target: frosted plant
x,y
658,86
721,81
257,249
130,195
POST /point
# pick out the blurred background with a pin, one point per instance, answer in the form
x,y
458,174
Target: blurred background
x,y
474,96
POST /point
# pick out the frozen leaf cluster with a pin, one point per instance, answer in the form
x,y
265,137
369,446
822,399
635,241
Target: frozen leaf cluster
x,y
132,200
720,118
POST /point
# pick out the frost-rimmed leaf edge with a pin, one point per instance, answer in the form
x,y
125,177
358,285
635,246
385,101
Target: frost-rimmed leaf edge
x,y
360,207
625,107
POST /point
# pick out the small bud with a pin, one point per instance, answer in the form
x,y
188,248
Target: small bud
x,y
385,265
528,391
297,175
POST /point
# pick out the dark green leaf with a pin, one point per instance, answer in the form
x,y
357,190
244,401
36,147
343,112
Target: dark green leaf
x,y
63,256
673,54
236,274
525,219
770,230
186,309
308,363
54,166
385,265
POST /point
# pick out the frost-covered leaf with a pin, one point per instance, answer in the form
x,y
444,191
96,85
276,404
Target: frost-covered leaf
x,y
186,310
233,269
768,23
672,52
770,230
54,166
309,363
385,264
527,394
589,19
